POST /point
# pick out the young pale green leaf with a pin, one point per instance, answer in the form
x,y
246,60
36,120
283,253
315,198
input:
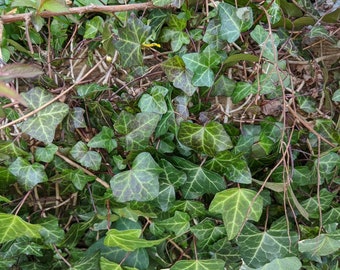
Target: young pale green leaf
x,y
178,224
25,3
233,166
258,248
234,205
129,240
176,72
89,159
105,264
13,227
292,263
209,139
155,101
28,175
42,126
138,184
321,245
130,40
201,65
46,154
215,264
140,130
6,91
199,180
93,26
53,5
103,140
234,21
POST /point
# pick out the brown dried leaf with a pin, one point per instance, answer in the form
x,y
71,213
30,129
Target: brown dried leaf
x,y
12,71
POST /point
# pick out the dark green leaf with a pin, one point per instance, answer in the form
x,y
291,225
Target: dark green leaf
x,y
155,101
198,265
46,154
89,159
140,183
178,224
104,139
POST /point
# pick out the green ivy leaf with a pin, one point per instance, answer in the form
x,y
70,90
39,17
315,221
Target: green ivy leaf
x,y
274,11
155,101
201,64
242,90
86,90
234,205
212,35
28,175
215,264
13,227
267,42
199,180
321,245
336,96
258,248
51,232
103,140
124,122
140,183
178,224
46,154
176,72
141,129
130,40
292,263
23,245
42,126
234,21
207,233
233,166
105,264
53,5
77,118
10,149
209,139
78,178
6,180
89,159
129,240
93,26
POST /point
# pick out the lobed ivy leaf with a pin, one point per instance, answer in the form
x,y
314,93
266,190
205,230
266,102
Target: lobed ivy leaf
x,y
155,101
28,175
124,122
176,72
76,118
9,148
202,64
51,232
274,11
13,227
234,21
104,139
199,180
106,264
215,264
45,154
233,166
86,90
234,205
178,224
89,159
140,130
130,40
321,245
138,184
292,263
207,233
42,126
267,42
212,35
78,178
209,139
258,248
93,26
241,91
129,240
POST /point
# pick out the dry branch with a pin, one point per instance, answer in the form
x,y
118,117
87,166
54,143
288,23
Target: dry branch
x,y
78,10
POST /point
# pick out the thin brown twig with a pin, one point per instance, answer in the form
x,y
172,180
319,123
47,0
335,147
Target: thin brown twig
x,y
79,10
76,165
